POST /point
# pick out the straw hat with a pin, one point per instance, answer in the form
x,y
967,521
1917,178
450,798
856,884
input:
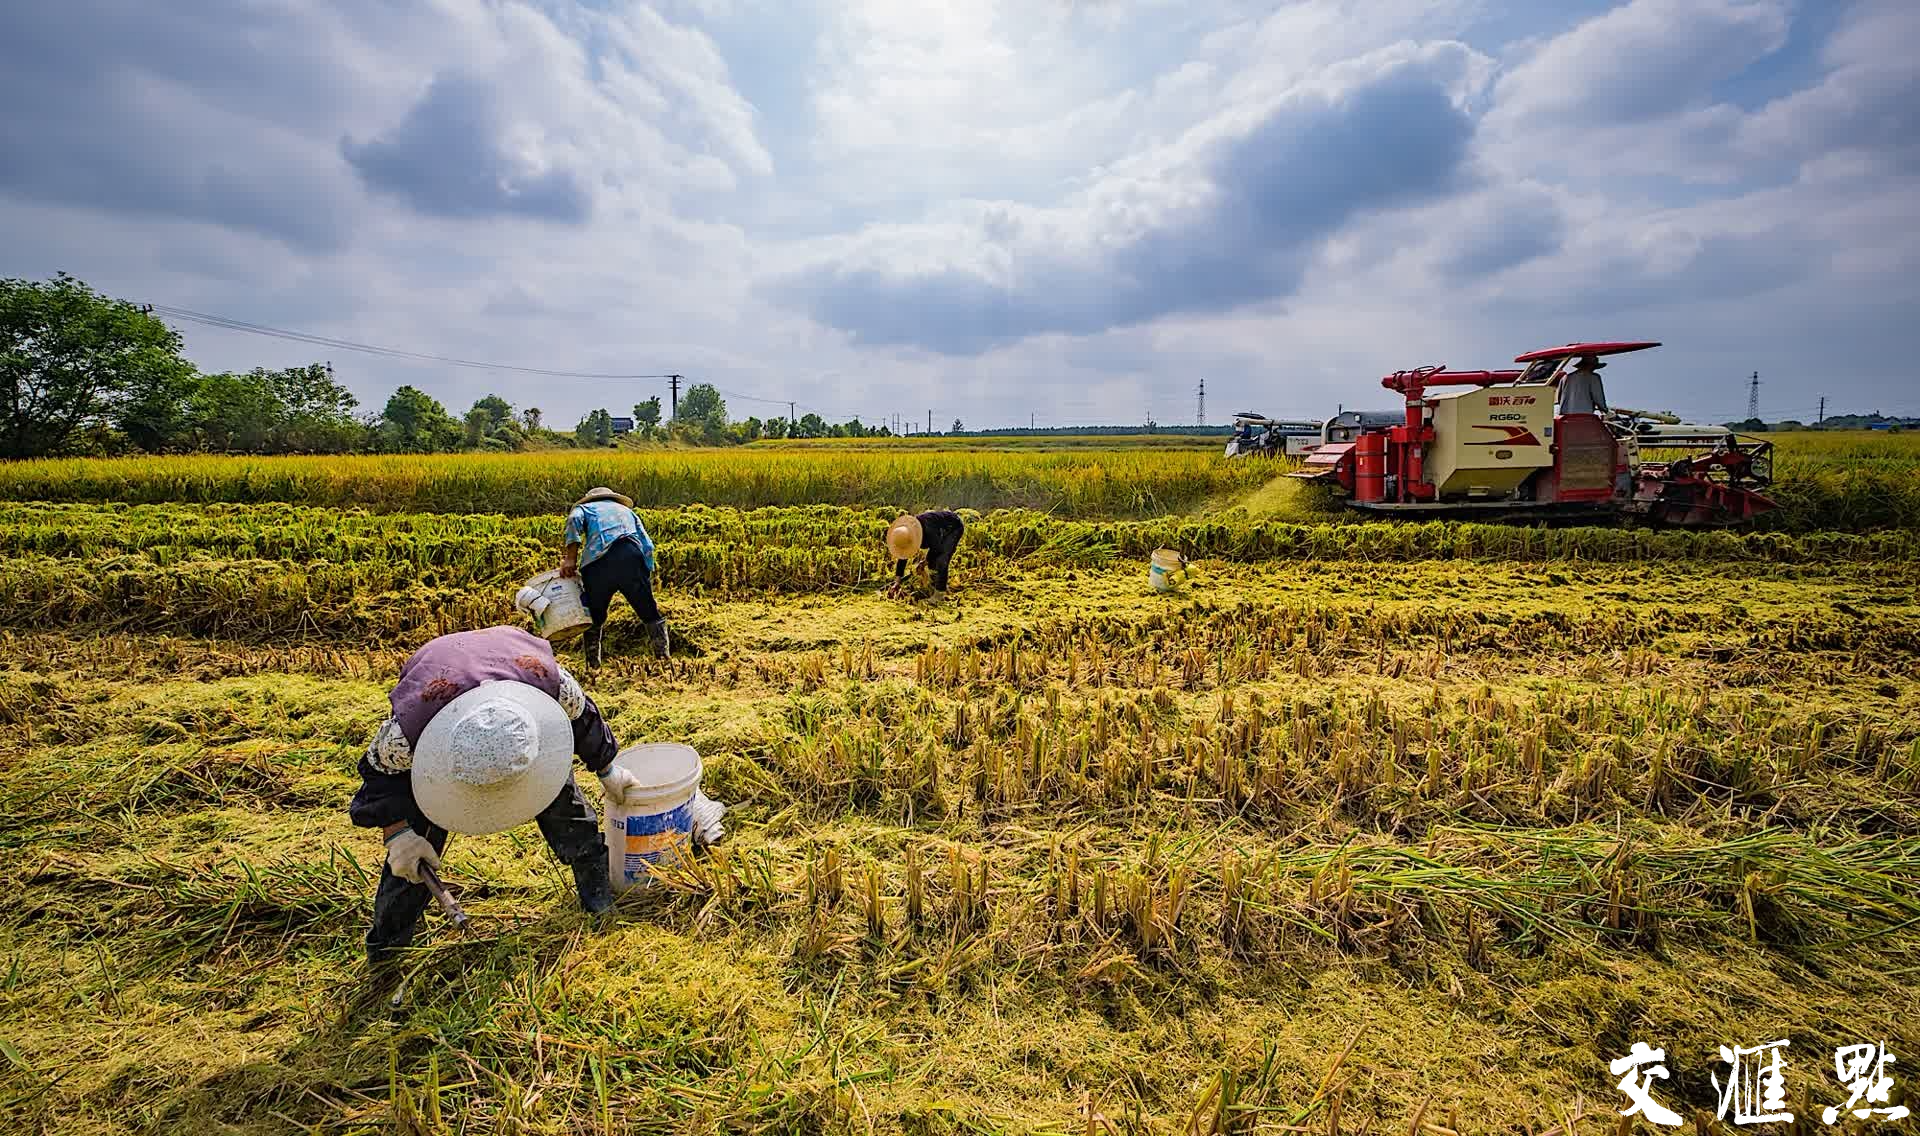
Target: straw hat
x,y
602,493
492,758
903,538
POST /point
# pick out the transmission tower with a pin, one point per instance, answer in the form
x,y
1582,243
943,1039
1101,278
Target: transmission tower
x,y
1753,396
1200,406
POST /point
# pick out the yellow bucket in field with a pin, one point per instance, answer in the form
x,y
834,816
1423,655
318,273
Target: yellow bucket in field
x,y
1161,568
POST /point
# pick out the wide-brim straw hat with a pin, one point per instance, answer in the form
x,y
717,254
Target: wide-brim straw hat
x,y
904,536
492,758
602,493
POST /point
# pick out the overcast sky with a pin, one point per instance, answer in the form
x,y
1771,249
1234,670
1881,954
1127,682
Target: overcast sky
x,y
1074,209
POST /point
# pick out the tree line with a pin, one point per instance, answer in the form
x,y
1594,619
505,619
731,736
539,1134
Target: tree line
x,y
84,373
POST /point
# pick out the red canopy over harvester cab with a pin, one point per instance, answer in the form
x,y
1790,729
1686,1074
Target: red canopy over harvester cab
x,y
1542,442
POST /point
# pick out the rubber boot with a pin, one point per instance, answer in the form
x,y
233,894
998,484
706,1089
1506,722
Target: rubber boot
x,y
594,645
594,885
661,640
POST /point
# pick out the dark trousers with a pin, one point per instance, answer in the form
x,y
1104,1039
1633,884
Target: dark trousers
x,y
621,568
570,829
941,544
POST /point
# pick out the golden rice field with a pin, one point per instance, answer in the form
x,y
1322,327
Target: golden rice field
x,y
1077,482
1843,481
1366,828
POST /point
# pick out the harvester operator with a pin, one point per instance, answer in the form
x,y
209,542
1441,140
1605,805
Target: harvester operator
x,y
937,533
1581,391
609,549
483,729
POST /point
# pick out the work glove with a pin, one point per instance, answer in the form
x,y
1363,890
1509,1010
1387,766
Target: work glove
x,y
706,813
408,852
614,783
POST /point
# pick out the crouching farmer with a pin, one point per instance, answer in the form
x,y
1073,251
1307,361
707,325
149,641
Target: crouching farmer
x,y
484,727
937,533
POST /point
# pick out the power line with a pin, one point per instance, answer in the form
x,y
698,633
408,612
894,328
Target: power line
x,y
228,324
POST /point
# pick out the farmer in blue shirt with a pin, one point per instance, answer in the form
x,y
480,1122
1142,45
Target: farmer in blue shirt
x,y
608,548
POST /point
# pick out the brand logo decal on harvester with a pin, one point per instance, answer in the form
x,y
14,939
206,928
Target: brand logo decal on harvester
x,y
1510,435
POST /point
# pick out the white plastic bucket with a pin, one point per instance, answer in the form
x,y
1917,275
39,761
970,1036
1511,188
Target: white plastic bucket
x,y
1164,563
555,605
655,823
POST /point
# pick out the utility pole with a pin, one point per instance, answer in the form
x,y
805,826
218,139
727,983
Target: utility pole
x,y
673,385
1753,397
1823,410
789,414
1200,409
929,421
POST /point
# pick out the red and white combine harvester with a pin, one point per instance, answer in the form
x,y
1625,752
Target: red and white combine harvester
x,y
1540,442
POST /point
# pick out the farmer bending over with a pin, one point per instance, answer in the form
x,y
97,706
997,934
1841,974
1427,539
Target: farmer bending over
x,y
483,726
608,547
937,533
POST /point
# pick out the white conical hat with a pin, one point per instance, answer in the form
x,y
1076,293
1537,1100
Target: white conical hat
x,y
492,758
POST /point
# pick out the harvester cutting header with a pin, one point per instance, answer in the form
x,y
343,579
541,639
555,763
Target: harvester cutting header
x,y
1542,442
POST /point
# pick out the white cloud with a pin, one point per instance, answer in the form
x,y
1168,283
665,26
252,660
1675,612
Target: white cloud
x,y
1864,106
1636,88
1086,205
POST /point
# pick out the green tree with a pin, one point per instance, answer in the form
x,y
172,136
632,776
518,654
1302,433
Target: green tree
x,y
317,412
530,418
415,422
72,359
811,425
602,428
490,422
646,415
156,418
957,428
704,411
476,424
499,412
236,413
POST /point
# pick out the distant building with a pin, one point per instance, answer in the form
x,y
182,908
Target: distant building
x,y
623,426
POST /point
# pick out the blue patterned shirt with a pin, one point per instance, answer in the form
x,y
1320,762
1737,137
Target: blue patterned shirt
x,y
597,524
